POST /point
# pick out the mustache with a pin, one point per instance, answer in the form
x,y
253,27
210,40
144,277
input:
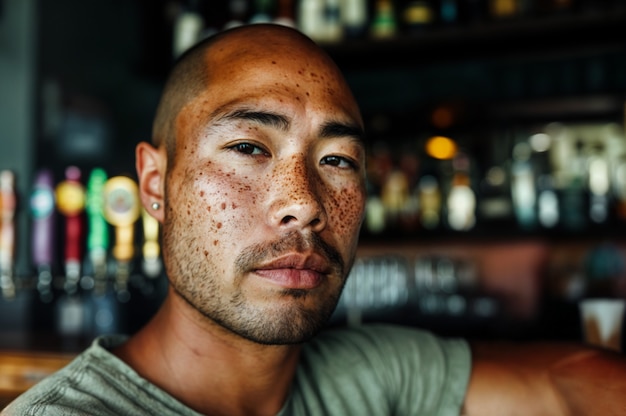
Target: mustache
x,y
294,241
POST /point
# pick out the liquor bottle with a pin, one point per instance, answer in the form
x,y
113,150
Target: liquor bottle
x,y
429,193
449,12
503,9
332,21
188,26
523,189
418,16
461,201
573,193
384,24
354,18
394,196
599,186
547,198
311,19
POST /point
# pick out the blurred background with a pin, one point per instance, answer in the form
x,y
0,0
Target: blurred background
x,y
497,162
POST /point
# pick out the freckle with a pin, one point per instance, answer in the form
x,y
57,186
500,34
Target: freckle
x,y
274,62
307,94
234,206
201,193
206,253
188,212
223,205
208,209
219,225
215,242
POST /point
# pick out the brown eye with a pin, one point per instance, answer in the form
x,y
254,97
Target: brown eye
x,y
249,149
339,162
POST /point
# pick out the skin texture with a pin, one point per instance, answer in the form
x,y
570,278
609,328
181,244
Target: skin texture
x,y
258,167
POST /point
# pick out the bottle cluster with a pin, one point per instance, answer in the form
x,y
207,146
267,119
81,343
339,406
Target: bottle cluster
x,y
567,178
336,20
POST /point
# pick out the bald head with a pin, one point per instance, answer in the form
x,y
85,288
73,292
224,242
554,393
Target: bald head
x,y
227,51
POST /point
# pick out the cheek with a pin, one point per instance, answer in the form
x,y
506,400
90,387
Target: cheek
x,y
346,208
219,205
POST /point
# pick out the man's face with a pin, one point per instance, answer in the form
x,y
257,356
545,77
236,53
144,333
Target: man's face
x,y
266,193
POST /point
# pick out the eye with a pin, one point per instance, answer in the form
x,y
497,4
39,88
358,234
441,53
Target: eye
x,y
339,162
249,149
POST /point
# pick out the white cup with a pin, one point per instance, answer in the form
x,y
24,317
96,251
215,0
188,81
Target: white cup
x,y
602,322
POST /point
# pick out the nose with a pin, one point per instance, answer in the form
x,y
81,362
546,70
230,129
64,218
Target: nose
x,y
297,193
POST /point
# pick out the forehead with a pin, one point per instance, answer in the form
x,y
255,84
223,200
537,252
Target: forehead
x,y
273,68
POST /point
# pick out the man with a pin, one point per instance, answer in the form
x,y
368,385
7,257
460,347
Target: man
x,y
256,173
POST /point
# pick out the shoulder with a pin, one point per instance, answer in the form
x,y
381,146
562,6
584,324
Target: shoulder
x,y
387,344
393,369
61,392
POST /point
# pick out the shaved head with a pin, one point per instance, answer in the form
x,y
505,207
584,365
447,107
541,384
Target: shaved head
x,y
191,73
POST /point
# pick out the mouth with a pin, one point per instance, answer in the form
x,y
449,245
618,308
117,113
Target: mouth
x,y
296,271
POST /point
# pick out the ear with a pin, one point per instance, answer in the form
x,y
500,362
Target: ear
x,y
151,165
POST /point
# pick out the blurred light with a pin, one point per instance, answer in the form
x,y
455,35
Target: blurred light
x,y
540,142
441,147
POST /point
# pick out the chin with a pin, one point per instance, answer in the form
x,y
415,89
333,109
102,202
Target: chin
x,y
289,325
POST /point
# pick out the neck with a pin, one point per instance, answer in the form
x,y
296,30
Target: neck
x,y
207,367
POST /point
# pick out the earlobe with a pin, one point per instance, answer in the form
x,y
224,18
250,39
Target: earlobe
x,y
151,163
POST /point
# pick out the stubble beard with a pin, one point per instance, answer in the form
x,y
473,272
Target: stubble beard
x,y
272,321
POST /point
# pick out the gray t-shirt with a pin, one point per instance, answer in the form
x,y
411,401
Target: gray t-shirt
x,y
369,370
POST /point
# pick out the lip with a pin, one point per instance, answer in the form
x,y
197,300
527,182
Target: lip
x,y
295,271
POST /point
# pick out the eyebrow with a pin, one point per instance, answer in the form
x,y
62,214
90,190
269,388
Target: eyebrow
x,y
264,118
281,122
336,129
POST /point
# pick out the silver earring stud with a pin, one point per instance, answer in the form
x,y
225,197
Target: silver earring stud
x,y
156,206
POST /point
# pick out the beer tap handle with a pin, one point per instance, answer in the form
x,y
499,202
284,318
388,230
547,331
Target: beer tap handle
x,y
98,237
71,202
42,210
151,264
8,202
121,209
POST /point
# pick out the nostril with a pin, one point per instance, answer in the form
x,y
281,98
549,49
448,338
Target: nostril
x,y
315,222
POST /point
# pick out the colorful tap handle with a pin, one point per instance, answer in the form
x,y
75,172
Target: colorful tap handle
x,y
42,211
122,209
71,203
98,228
98,238
151,249
8,204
